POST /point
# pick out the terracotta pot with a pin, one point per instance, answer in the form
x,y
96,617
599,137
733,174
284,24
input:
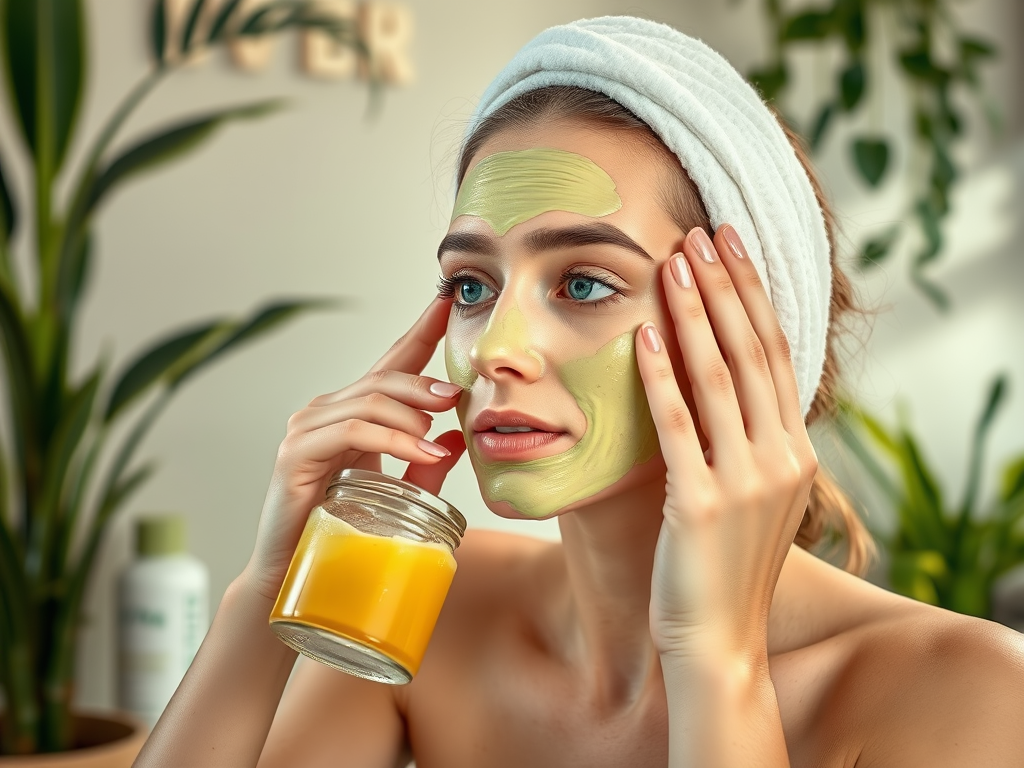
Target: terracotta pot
x,y
102,740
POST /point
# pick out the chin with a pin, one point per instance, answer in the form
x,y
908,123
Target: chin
x,y
641,474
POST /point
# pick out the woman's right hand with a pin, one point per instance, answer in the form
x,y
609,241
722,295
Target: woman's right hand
x,y
383,412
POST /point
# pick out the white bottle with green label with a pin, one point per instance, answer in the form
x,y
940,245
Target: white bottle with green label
x,y
163,615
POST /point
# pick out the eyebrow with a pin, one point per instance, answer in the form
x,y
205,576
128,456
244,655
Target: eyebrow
x,y
597,233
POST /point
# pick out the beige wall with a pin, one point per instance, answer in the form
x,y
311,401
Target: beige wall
x,y
319,200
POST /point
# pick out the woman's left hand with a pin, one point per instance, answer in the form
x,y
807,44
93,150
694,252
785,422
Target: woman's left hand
x,y
731,512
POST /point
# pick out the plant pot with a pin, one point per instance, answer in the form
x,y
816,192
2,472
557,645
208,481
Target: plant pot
x,y
102,740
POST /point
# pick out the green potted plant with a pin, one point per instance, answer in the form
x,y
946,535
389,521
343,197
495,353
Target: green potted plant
x,y
945,555
55,504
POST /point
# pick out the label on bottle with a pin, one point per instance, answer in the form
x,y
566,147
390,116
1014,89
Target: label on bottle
x,y
161,628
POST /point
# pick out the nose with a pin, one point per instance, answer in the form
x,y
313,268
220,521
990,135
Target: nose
x,y
503,350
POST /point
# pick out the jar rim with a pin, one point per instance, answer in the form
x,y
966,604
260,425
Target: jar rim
x,y
378,481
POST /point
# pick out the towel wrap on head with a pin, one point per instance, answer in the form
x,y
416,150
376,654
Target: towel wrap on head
x,y
729,142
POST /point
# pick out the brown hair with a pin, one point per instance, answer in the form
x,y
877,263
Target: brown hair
x,y
829,514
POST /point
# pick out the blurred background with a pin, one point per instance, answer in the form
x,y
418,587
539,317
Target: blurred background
x,y
325,199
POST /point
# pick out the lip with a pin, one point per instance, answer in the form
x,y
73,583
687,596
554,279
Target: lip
x,y
513,446
488,419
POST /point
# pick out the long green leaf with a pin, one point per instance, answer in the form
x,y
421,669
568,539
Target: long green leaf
x,y
8,210
848,416
995,397
67,439
150,366
47,32
72,276
167,145
219,28
923,513
20,379
158,33
1012,484
264,320
190,25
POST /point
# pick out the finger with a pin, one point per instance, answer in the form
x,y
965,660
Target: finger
x,y
430,477
766,325
423,392
710,379
375,407
327,444
680,444
413,351
740,346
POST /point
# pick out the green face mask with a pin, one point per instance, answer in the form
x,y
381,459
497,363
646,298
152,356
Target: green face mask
x,y
505,189
620,431
508,188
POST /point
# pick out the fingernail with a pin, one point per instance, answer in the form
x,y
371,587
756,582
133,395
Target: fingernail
x,y
444,389
732,239
703,244
433,449
650,334
680,271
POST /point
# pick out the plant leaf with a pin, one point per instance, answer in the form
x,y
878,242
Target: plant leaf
x,y
57,26
810,25
7,209
1012,483
851,85
996,393
262,321
150,366
922,515
20,379
871,157
769,81
66,440
72,276
929,219
190,25
821,124
158,33
914,573
878,248
976,48
219,27
166,145
177,357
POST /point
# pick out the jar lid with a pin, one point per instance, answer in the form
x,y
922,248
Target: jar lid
x,y
364,478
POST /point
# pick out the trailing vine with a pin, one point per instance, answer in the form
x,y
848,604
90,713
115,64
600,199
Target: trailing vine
x,y
935,57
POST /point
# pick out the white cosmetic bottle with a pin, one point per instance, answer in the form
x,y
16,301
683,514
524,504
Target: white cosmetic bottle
x,y
163,615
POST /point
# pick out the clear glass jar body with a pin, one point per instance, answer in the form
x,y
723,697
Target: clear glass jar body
x,y
368,577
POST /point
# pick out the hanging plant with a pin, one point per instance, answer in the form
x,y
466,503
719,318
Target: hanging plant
x,y
912,34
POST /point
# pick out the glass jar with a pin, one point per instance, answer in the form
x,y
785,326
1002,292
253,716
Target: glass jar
x,y
369,575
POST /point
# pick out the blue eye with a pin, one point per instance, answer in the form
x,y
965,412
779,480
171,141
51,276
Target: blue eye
x,y
587,289
473,292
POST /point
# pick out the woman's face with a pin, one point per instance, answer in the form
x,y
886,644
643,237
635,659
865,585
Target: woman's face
x,y
553,259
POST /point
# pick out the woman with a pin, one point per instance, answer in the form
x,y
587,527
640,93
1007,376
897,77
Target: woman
x,y
616,367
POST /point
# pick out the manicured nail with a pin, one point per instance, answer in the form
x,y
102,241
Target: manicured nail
x,y
732,239
434,449
444,389
703,244
650,334
680,271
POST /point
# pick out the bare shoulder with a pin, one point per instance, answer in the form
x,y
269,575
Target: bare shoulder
x,y
496,565
940,689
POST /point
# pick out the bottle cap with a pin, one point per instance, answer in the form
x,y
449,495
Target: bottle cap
x,y
160,535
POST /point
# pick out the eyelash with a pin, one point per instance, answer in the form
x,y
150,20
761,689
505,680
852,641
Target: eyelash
x,y
448,286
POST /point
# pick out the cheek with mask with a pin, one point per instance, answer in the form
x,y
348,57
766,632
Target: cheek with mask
x,y
620,432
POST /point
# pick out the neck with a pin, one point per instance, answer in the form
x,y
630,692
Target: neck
x,y
609,553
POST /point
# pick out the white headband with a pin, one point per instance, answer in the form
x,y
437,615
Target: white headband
x,y
728,141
